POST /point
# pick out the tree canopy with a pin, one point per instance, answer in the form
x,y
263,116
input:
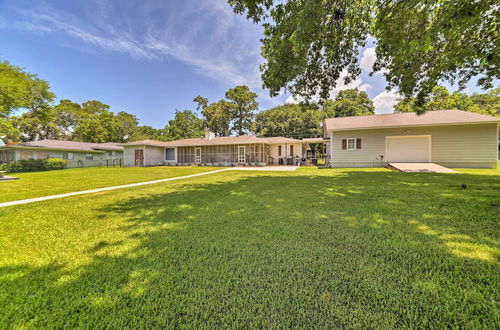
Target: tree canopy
x,y
307,45
185,125
302,121
243,109
234,114
441,99
350,102
22,90
218,117
290,120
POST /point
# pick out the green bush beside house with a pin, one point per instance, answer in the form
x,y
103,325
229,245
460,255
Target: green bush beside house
x,y
32,165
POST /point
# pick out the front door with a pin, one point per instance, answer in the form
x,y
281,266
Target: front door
x,y
139,157
241,154
197,155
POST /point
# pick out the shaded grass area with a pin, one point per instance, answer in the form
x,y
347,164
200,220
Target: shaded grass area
x,y
36,184
312,248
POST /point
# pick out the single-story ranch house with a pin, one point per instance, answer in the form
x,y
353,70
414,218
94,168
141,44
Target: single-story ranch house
x,y
450,138
78,154
216,151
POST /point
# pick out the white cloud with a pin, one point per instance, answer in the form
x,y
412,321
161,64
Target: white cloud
x,y
206,35
356,83
385,101
368,59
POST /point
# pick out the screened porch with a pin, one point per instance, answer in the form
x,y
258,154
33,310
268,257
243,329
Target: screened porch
x,y
257,153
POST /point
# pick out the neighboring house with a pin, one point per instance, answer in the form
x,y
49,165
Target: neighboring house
x,y
451,138
216,151
78,154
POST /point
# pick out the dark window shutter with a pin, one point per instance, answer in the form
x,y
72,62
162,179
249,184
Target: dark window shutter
x,y
344,144
291,150
279,150
358,143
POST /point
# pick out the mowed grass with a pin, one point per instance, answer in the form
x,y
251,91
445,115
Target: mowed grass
x,y
36,184
311,248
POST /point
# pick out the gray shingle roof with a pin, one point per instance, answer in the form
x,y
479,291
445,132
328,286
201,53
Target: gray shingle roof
x,y
441,117
72,145
243,139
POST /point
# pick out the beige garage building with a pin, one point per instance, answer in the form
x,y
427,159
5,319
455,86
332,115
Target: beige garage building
x,y
450,138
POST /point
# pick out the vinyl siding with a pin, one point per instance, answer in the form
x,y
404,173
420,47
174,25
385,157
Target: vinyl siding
x,y
79,159
285,151
453,146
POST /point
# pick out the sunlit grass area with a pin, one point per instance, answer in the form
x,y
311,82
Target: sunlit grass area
x,y
36,184
311,248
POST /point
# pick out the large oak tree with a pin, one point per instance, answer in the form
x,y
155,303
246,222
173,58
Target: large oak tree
x,y
308,43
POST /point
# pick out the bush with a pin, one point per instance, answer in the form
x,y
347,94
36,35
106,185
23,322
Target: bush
x,y
14,166
56,163
3,167
32,165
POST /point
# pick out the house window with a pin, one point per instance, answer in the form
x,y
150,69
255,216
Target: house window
x,y
42,155
110,153
351,144
68,155
170,154
291,150
89,157
279,150
25,155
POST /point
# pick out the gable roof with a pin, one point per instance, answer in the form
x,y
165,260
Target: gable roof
x,y
430,118
316,140
281,139
224,140
70,145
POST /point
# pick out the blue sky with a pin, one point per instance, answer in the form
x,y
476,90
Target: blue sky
x,y
147,57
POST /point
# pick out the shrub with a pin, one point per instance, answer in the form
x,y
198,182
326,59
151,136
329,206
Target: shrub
x,y
3,167
56,163
32,165
14,166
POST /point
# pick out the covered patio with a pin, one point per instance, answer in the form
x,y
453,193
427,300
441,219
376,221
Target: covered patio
x,y
225,155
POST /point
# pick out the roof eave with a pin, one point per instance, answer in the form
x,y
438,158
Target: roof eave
x,y
415,125
53,149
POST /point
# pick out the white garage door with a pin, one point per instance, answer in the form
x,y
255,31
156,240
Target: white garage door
x,y
408,149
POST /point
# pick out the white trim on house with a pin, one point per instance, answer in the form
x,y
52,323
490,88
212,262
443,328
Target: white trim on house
x,y
240,161
197,159
175,155
347,144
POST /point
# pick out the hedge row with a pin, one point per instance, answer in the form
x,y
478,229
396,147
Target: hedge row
x,y
32,165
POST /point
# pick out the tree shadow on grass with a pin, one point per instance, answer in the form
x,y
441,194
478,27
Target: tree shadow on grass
x,y
360,249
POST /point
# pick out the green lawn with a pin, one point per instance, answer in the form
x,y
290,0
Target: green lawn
x,y
311,248
36,184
